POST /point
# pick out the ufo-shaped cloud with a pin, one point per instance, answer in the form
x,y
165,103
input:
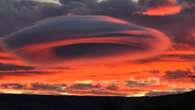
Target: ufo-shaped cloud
x,y
85,39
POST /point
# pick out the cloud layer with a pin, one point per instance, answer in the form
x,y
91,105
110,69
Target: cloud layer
x,y
90,62
69,39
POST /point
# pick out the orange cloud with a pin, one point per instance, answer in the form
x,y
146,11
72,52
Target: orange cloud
x,y
163,10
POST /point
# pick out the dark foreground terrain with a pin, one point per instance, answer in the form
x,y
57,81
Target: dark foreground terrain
x,y
34,102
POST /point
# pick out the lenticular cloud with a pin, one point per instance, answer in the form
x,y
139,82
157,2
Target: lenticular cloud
x,y
85,39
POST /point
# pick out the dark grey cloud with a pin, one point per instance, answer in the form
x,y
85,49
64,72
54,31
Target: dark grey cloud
x,y
135,83
17,14
118,8
178,74
112,86
85,86
189,57
52,87
178,27
79,7
155,3
107,7
12,86
173,57
34,86
22,73
10,67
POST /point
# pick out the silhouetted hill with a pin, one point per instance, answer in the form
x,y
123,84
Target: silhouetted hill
x,y
37,102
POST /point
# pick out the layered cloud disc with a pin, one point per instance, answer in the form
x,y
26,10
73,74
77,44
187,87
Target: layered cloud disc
x,y
85,39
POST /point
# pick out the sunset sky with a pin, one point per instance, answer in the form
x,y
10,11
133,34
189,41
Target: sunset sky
x,y
147,50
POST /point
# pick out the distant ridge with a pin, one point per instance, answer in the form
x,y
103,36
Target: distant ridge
x,y
184,101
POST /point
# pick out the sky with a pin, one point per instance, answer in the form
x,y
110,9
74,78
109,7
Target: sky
x,y
83,48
